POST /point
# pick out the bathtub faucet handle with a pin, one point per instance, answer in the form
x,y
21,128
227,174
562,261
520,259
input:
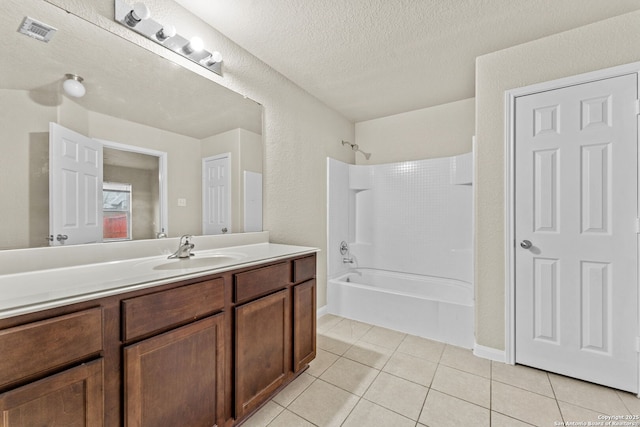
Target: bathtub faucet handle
x,y
344,248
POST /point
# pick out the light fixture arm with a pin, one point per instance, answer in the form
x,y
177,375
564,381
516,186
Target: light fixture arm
x,y
165,35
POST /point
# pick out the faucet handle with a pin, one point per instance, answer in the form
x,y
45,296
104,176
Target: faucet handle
x,y
185,238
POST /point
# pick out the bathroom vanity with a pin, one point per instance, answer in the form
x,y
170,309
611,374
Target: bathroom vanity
x,y
201,346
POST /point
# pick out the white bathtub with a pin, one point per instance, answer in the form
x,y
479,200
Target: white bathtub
x,y
429,307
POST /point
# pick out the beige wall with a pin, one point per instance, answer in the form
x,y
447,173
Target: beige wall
x,y
25,190
299,131
246,154
144,198
604,44
183,164
443,130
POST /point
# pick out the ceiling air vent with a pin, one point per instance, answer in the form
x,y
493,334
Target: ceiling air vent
x,y
36,29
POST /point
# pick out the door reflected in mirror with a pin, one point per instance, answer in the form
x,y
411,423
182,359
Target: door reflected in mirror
x,y
133,97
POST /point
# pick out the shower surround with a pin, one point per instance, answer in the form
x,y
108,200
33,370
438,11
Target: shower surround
x,y
409,229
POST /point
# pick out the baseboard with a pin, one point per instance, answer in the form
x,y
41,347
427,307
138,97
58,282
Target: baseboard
x,y
489,353
321,311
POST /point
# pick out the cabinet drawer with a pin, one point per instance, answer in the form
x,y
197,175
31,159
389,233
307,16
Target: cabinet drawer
x,y
39,347
304,269
261,281
163,310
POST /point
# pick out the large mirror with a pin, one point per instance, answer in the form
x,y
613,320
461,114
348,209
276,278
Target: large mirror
x,y
162,127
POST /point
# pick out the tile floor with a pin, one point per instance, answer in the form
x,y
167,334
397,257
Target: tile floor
x,y
365,376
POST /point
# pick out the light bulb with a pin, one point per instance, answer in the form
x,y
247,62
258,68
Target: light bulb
x,y
195,45
73,86
214,58
140,11
166,32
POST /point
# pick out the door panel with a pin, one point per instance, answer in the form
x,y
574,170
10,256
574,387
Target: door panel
x,y
576,202
216,197
75,187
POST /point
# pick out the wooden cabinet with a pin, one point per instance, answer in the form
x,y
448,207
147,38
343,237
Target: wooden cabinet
x,y
176,378
204,351
37,348
304,311
262,349
304,324
71,398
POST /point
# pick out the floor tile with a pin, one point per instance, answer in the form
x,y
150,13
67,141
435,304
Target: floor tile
x,y
441,410
523,377
576,414
421,347
293,390
323,360
289,419
327,322
397,394
351,376
464,360
411,368
369,354
384,337
463,385
265,415
524,405
348,331
587,395
393,372
500,420
332,345
369,414
631,401
324,404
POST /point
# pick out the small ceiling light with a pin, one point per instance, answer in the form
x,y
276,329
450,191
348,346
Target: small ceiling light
x,y
73,86
166,32
195,45
214,58
140,11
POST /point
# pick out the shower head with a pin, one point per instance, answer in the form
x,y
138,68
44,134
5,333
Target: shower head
x,y
355,147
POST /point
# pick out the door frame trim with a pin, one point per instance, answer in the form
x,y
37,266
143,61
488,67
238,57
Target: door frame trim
x,y
509,183
163,185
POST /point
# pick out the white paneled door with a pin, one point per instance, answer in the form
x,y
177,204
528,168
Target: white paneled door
x,y
75,187
576,257
216,194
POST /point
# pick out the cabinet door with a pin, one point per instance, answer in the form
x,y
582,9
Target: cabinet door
x,y
70,398
175,379
304,324
263,349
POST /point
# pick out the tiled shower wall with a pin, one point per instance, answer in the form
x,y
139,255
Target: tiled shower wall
x,y
413,217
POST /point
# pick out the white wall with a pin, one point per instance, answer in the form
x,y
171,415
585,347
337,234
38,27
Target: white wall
x,y
299,131
443,130
600,45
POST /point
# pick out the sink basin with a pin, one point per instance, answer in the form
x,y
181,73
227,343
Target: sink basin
x,y
205,261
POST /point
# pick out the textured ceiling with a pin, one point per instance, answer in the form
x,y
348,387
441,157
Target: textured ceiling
x,y
374,58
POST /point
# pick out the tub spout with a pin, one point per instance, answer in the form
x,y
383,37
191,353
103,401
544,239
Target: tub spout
x,y
347,260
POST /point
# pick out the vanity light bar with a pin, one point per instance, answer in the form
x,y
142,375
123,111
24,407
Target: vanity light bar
x,y
166,36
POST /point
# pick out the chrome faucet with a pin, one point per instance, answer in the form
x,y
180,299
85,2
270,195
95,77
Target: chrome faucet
x,y
184,248
346,260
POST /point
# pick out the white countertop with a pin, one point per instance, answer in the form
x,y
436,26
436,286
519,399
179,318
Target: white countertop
x,y
31,291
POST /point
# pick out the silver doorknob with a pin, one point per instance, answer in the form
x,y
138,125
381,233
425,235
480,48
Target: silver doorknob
x,y
61,237
526,244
